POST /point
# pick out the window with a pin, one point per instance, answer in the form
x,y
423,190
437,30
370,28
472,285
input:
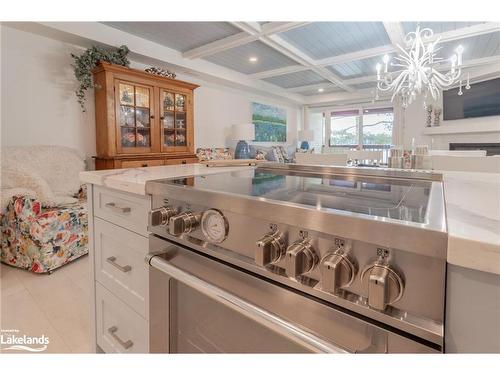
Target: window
x,y
362,128
377,126
344,128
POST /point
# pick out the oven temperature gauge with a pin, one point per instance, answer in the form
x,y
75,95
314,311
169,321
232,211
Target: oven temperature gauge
x,y
214,226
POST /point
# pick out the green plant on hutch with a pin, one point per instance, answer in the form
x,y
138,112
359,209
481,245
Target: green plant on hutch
x,y
87,61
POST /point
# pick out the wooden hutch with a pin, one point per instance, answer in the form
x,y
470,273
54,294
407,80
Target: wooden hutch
x,y
142,120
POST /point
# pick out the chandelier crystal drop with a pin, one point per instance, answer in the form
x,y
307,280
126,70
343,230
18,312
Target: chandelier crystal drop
x,y
420,69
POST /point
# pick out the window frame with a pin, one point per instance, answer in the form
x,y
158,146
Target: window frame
x,y
359,124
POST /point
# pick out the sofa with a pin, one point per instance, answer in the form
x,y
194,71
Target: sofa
x,y
279,154
43,217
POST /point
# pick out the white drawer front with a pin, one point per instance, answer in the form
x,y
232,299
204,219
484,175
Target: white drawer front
x,y
126,210
120,266
119,328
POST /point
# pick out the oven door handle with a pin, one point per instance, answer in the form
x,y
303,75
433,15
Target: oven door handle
x,y
247,309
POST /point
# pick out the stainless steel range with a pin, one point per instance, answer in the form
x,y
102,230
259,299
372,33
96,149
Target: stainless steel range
x,y
294,258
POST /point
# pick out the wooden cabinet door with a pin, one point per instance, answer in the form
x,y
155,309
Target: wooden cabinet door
x,y
136,129
176,121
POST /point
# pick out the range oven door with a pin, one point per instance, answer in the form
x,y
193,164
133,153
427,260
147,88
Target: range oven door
x,y
202,305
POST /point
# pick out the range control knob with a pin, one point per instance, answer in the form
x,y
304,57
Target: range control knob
x,y
270,248
383,285
300,258
337,271
161,216
183,223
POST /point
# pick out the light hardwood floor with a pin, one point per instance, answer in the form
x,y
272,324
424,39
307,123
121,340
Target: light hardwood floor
x,y
56,305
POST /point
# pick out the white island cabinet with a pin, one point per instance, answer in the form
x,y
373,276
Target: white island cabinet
x,y
118,209
118,225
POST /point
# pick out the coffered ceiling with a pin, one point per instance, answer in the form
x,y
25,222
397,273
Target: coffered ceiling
x,y
312,58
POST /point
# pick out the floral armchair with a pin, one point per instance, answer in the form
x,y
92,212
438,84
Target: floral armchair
x,y
45,226
43,239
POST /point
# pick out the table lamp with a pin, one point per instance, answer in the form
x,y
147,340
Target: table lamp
x,y
242,133
305,136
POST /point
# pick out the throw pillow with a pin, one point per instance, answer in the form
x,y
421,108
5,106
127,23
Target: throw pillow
x,y
278,155
260,155
219,153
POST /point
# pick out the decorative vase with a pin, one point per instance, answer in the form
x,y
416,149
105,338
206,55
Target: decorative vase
x,y
437,116
304,145
428,109
242,150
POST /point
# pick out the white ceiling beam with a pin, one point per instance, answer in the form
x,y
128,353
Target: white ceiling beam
x,y
294,53
287,49
332,77
359,80
358,55
280,27
465,32
279,71
282,46
395,33
338,97
266,33
251,31
252,28
269,28
477,69
310,87
476,62
149,53
220,45
467,64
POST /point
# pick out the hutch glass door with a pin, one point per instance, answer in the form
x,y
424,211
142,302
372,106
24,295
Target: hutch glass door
x,y
134,117
174,121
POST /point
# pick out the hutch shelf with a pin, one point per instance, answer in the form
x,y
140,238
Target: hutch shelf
x,y
142,120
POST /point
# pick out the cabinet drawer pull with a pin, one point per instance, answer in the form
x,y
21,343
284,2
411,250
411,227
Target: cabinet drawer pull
x,y
112,261
125,344
114,207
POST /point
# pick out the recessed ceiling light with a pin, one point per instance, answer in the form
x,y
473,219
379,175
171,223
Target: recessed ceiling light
x,y
321,89
253,59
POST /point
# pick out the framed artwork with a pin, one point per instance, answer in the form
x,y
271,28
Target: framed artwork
x,y
270,123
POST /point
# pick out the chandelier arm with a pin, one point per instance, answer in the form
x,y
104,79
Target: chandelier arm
x,y
442,81
398,84
426,33
417,72
445,80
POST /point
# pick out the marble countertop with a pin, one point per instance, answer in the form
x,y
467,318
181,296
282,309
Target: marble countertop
x,y
133,180
473,216
472,207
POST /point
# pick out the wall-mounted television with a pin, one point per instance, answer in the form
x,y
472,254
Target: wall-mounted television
x,y
482,99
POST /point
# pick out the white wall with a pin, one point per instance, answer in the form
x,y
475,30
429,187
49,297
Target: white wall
x,y
415,122
316,124
37,94
216,108
39,104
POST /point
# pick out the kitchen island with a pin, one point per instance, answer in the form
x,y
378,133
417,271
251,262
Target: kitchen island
x,y
473,280
118,206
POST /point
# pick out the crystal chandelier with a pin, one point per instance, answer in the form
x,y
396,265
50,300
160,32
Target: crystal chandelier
x,y
420,69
